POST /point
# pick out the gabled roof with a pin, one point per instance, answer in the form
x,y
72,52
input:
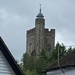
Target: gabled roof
x,y
67,61
7,54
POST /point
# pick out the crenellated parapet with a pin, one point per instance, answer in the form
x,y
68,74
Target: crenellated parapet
x,y
31,32
50,32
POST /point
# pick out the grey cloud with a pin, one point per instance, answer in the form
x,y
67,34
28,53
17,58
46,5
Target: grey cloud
x,y
18,16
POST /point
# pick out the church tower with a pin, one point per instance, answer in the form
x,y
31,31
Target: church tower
x,y
39,26
39,37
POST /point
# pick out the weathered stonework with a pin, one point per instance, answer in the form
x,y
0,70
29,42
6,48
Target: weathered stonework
x,y
40,37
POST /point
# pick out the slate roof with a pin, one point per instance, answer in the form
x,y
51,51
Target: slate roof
x,y
67,61
40,15
10,58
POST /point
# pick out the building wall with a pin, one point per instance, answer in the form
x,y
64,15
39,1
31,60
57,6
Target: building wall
x,y
67,71
30,42
38,40
5,68
39,25
49,39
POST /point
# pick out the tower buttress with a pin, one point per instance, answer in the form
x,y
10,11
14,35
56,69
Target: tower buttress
x,y
40,27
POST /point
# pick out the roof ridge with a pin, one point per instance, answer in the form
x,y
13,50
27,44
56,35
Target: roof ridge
x,y
11,60
63,60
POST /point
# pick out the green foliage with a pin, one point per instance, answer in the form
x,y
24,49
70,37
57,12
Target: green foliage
x,y
28,62
35,65
43,54
54,55
28,72
41,63
69,50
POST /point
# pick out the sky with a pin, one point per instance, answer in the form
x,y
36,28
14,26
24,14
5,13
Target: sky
x,y
18,16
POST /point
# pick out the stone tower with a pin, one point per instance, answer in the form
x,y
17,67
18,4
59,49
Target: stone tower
x,y
40,37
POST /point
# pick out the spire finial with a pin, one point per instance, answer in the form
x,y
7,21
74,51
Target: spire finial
x,y
40,15
40,7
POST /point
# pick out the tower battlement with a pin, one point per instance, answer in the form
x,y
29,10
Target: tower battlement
x,y
31,32
50,32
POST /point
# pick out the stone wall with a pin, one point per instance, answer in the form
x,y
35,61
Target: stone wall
x,y
49,39
30,44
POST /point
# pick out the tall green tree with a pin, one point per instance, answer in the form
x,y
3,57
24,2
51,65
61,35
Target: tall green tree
x,y
41,63
69,50
35,65
54,55
28,62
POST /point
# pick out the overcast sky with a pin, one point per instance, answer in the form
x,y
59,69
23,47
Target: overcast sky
x,y
18,16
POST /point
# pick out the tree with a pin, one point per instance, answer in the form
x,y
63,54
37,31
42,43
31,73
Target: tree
x,y
69,50
28,72
54,55
28,62
41,63
36,65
